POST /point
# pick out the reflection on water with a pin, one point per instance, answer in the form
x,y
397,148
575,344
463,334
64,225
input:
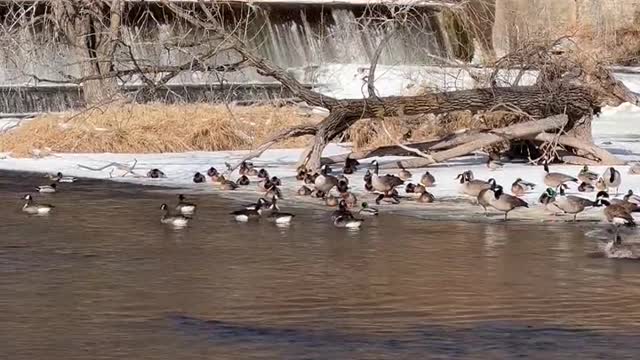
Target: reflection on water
x,y
101,278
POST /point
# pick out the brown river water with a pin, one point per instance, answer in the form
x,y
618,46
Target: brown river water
x,y
101,278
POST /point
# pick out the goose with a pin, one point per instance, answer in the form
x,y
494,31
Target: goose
x,y
385,183
342,186
634,169
548,199
628,205
631,197
350,165
365,209
587,176
184,207
331,200
156,174
615,249
47,188
245,215
427,180
574,205
518,189
368,186
198,178
612,178
586,187
600,185
30,206
274,191
617,215
325,182
404,174
555,179
484,198
310,179
61,179
472,187
178,221
213,174
304,191
426,197
243,180
494,164
505,202
262,203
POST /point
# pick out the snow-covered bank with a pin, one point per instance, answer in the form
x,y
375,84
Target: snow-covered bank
x,y
618,130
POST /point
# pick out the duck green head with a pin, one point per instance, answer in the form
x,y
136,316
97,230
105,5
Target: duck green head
x,y
551,192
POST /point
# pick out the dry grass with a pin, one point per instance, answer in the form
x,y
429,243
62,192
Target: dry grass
x,y
153,128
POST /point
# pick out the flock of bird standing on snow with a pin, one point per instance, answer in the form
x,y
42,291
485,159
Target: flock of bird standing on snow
x,y
487,193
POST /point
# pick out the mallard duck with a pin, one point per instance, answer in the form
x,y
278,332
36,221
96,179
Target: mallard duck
x,y
265,184
178,221
427,180
342,186
155,174
310,178
276,181
612,178
600,185
213,174
226,184
414,188
365,209
198,178
325,182
263,174
585,187
246,169
617,215
555,179
30,207
548,198
634,169
350,165
505,202
349,198
184,207
426,197
304,191
494,164
61,179
631,197
615,249
587,176
331,200
301,174
243,180
385,183
574,205
47,188
472,187
403,174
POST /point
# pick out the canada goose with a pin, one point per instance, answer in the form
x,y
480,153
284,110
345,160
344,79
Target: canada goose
x,y
574,204
484,197
600,185
471,186
155,174
350,165
198,178
262,203
325,182
30,206
213,174
505,202
349,198
587,176
634,169
342,186
628,205
184,207
368,187
344,218
554,179
385,183
426,197
617,215
494,164
310,178
227,184
615,249
245,215
47,188
404,174
585,187
61,179
178,221
612,178
301,174
427,180
331,200
548,199
365,209
304,191
631,197
263,174
243,180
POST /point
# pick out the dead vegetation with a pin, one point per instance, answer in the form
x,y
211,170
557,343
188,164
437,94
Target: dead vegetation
x,y
135,128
